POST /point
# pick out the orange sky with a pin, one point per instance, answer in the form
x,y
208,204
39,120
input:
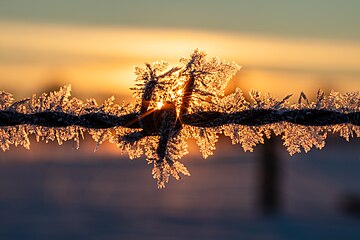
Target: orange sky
x,y
100,60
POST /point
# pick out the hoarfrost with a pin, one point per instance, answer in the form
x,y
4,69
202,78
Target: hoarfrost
x,y
156,126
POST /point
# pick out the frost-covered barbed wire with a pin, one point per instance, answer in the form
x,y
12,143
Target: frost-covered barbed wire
x,y
174,104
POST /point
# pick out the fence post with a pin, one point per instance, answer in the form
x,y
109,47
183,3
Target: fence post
x,y
269,178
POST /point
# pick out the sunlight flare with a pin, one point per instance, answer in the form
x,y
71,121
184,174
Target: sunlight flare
x,y
159,105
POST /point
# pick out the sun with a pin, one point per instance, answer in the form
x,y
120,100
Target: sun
x,y
159,104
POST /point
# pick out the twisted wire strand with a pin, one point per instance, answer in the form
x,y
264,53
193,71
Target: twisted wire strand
x,y
254,117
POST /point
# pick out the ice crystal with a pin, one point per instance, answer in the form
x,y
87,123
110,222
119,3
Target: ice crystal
x,y
247,136
173,104
205,79
297,137
6,100
234,102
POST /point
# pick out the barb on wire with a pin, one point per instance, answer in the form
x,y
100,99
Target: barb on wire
x,y
174,104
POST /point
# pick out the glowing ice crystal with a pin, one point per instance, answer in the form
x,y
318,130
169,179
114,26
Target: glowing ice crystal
x,y
156,125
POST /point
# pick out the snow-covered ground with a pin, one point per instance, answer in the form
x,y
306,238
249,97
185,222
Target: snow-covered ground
x,y
69,195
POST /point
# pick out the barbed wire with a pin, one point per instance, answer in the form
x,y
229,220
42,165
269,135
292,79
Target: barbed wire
x,y
254,117
175,104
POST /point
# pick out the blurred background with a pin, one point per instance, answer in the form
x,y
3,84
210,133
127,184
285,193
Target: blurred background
x,y
56,192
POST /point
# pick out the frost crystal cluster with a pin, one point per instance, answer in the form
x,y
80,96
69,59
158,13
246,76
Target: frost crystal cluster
x,y
173,104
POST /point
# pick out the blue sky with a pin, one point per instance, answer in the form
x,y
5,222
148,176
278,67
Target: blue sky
x,y
330,19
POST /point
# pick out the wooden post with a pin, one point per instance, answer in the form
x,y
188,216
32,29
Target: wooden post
x,y
269,179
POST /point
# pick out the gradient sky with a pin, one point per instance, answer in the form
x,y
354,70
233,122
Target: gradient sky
x,y
283,46
307,18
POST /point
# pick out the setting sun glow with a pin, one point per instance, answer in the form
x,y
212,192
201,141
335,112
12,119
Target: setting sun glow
x,y
40,55
159,105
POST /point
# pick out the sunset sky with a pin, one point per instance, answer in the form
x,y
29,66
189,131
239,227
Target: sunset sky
x,y
283,46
